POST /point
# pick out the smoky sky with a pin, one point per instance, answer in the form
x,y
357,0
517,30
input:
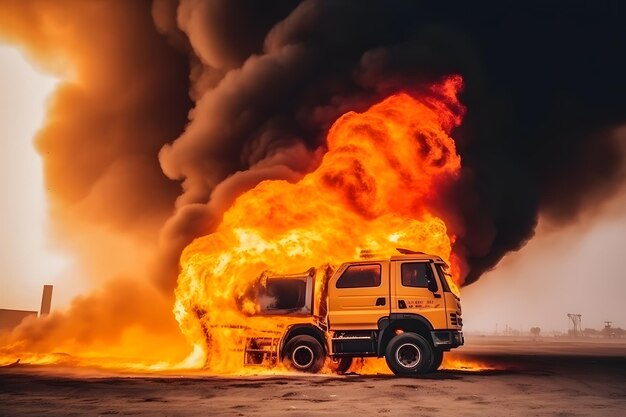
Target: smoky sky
x,y
184,105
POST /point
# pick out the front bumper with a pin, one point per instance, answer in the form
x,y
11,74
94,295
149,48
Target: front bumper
x,y
447,339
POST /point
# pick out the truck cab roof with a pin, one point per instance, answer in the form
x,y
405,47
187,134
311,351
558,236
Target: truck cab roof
x,y
414,256
417,257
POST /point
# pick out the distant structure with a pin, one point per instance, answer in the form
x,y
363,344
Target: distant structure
x,y
46,300
575,321
10,319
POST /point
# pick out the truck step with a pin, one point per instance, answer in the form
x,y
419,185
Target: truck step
x,y
352,338
357,355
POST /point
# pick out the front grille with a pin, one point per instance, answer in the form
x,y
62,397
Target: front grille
x,y
456,320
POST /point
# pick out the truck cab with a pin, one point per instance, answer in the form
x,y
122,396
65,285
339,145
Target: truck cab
x,y
401,308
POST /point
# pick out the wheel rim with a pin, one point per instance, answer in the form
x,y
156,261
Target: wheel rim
x,y
408,355
302,357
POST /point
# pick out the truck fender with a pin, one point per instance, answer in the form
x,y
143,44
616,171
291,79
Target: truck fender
x,y
308,329
386,326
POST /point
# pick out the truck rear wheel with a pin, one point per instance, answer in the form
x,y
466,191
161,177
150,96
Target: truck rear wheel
x,y
341,365
409,354
304,353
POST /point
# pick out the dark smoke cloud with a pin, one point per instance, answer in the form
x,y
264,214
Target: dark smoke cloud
x,y
541,91
539,134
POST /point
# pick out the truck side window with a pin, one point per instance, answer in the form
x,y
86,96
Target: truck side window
x,y
417,274
356,276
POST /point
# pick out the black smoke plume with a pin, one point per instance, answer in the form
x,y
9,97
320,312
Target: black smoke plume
x,y
542,86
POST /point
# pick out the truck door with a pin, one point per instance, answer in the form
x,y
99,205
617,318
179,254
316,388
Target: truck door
x,y
415,290
358,296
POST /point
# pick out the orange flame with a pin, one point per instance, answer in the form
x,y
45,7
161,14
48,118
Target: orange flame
x,y
459,363
451,362
374,190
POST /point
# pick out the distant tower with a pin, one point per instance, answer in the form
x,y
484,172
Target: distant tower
x,y
575,327
46,300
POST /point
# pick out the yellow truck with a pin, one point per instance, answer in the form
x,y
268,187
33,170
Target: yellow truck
x,y
400,307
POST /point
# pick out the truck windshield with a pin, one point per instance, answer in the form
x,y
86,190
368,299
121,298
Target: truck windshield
x,y
444,277
286,294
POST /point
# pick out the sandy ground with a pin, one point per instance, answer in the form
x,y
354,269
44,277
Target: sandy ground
x,y
543,378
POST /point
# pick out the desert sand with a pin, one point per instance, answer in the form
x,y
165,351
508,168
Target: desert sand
x,y
546,377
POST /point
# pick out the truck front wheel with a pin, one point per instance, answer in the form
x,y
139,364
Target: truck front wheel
x,y
409,354
341,365
304,353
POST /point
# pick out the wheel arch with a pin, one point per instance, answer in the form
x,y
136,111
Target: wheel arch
x,y
303,329
407,322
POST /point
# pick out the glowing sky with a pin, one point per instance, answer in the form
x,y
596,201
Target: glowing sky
x,y
27,261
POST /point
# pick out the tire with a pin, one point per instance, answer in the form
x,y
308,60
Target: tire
x,y
304,353
437,360
409,354
341,365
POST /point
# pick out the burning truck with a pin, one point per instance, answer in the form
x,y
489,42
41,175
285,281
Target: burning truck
x,y
376,188
401,308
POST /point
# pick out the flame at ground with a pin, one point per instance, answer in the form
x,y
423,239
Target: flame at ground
x,y
374,189
451,362
454,361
